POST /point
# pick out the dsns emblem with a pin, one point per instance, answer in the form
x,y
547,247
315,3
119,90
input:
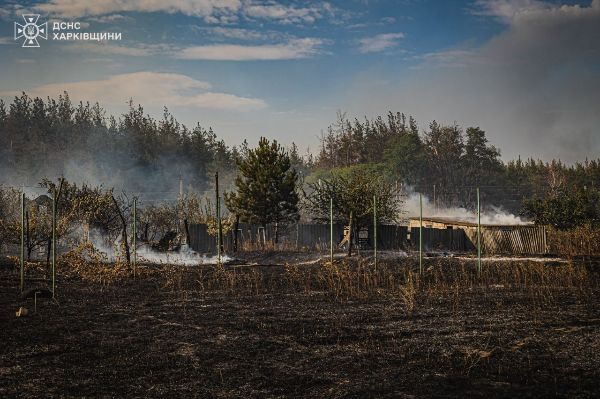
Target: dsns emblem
x,y
31,31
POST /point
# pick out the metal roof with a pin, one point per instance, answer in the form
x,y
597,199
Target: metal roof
x,y
454,221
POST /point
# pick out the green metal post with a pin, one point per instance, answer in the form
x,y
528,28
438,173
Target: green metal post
x,y
218,206
375,230
478,234
54,243
219,238
22,241
331,230
134,238
420,233
221,229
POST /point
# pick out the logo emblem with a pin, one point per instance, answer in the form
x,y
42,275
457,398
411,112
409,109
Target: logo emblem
x,y
31,30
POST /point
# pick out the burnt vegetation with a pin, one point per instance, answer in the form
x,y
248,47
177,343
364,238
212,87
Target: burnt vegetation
x,y
343,330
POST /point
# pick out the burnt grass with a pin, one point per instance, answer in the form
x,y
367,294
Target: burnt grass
x,y
170,334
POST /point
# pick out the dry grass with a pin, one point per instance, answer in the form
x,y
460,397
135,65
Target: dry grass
x,y
530,283
271,246
581,241
443,279
91,264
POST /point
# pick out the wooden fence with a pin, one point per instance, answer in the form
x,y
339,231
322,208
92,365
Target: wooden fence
x,y
515,240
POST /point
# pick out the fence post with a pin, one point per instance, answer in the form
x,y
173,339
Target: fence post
x,y
478,234
420,233
54,242
134,238
218,209
331,230
375,230
22,241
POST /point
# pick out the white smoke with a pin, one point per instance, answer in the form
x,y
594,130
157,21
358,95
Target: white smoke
x,y
184,256
489,215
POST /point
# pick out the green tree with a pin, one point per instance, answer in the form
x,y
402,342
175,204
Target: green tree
x,y
481,161
405,158
265,187
565,209
352,190
444,147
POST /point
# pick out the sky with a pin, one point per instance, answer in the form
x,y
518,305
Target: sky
x,y
525,71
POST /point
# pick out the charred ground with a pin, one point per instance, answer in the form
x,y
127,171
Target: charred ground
x,y
309,330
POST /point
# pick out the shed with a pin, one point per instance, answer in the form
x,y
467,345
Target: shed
x,y
510,239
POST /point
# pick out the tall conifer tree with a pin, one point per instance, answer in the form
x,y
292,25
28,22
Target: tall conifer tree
x,y
265,186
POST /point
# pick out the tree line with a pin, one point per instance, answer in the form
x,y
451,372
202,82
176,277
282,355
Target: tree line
x,y
445,162
40,138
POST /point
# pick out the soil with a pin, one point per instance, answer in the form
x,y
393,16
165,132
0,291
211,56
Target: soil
x,y
144,338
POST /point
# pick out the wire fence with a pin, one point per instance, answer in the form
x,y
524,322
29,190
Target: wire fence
x,y
219,234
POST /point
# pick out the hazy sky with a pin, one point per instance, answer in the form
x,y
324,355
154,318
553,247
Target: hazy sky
x,y
525,71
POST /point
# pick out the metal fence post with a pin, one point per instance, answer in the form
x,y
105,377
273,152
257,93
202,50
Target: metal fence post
x,y
134,238
478,234
331,230
22,241
54,242
375,230
420,233
218,209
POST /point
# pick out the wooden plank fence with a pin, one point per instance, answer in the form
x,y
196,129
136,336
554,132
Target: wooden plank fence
x,y
511,240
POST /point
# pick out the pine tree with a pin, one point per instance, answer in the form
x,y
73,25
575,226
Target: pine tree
x,y
266,187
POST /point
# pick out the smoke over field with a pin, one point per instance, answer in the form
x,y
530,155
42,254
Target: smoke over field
x,y
490,214
132,152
